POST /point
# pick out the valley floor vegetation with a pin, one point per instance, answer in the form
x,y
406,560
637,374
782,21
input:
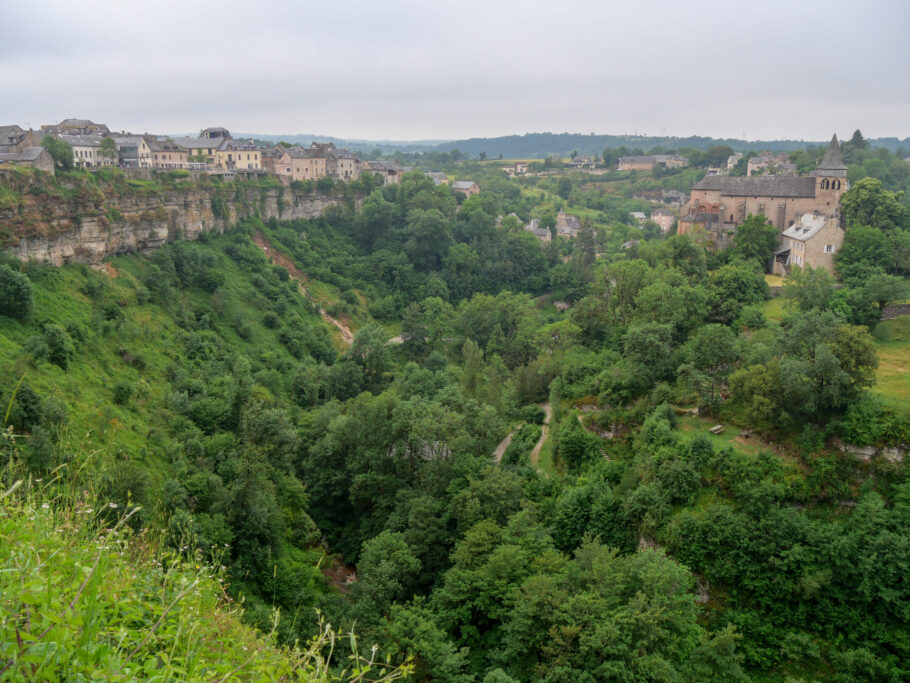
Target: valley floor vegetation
x,y
217,420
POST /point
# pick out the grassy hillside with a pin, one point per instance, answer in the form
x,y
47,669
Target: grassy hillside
x,y
124,334
84,597
139,371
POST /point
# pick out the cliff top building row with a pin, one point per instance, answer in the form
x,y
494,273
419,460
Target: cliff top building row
x,y
214,150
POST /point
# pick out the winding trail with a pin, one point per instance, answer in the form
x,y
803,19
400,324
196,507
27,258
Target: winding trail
x,y
544,434
535,452
300,278
501,448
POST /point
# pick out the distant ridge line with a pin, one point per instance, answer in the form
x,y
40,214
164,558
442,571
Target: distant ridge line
x,y
540,145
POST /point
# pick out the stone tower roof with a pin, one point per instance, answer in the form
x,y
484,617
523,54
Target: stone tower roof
x,y
832,164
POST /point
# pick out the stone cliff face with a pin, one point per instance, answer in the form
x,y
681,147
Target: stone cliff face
x,y
87,229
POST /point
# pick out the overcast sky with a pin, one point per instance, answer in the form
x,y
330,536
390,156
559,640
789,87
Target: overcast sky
x,y
412,69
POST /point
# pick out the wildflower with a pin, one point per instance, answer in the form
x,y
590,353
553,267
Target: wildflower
x,y
113,505
46,506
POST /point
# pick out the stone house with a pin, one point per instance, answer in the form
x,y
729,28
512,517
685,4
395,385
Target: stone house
x,y
133,151
640,163
673,197
276,160
582,161
85,151
673,160
567,225
813,241
167,153
438,178
216,133
542,234
343,164
468,187
15,139
201,150
718,204
307,164
340,164
75,127
37,157
519,168
391,171
664,218
236,155
769,162
648,162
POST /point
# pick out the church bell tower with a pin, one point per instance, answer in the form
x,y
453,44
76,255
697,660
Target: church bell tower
x,y
831,174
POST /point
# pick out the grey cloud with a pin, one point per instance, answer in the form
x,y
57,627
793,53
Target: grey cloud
x,y
407,69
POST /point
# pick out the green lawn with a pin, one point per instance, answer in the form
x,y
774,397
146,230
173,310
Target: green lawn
x,y
774,309
729,437
774,280
893,374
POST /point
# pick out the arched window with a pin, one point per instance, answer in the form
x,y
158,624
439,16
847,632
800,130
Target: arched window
x,y
836,184
731,217
825,184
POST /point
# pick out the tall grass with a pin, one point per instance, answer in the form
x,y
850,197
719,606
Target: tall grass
x,y
85,597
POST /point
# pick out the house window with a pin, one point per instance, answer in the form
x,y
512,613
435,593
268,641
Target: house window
x,y
829,248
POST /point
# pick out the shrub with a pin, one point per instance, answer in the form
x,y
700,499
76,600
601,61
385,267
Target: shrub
x,y
15,294
112,213
305,186
58,346
243,328
219,207
753,318
532,414
882,333
271,320
123,391
25,412
76,331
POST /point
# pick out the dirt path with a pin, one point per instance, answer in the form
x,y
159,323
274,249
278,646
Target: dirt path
x,y
300,278
340,575
544,433
501,448
535,452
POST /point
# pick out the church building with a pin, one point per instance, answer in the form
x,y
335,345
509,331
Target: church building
x,y
806,210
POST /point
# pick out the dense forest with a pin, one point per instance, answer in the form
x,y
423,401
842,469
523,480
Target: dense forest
x,y
204,388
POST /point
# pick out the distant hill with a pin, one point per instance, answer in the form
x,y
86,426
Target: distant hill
x,y
541,145
384,146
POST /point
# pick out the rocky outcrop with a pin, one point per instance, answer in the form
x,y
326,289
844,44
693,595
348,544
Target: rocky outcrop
x,y
867,453
90,223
